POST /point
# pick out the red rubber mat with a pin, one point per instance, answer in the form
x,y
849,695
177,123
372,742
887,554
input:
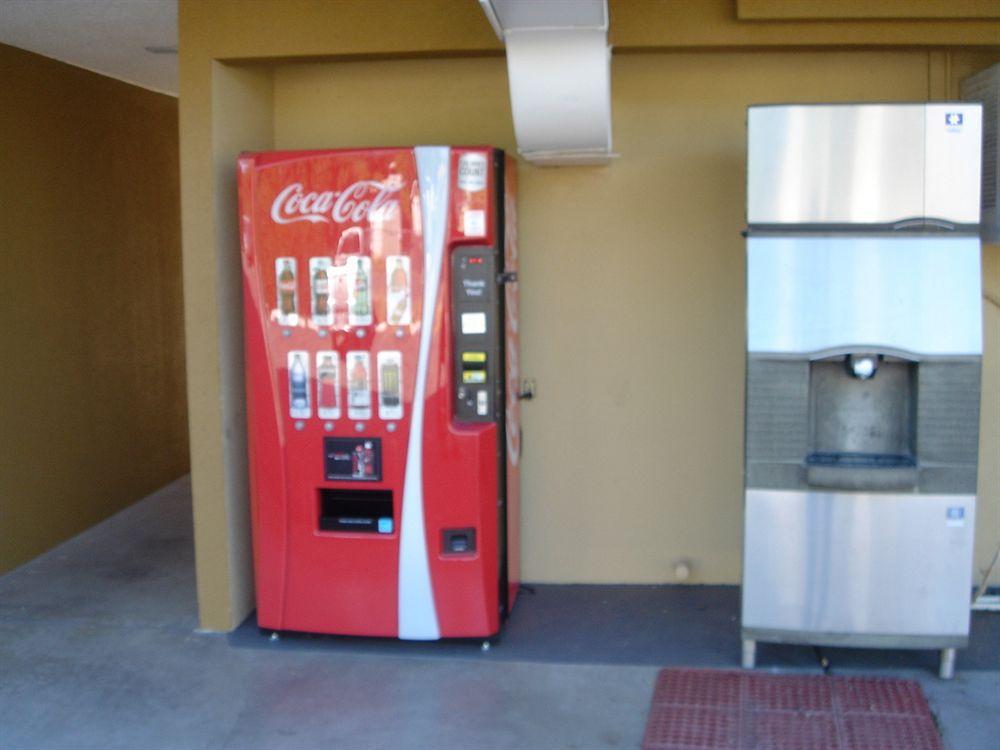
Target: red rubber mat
x,y
707,709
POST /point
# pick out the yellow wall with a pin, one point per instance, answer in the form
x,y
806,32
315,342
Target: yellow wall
x,y
92,407
632,274
632,281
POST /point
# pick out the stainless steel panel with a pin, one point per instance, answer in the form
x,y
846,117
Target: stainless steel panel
x,y
835,164
984,87
916,294
874,416
948,413
938,478
776,475
856,640
777,410
952,159
889,564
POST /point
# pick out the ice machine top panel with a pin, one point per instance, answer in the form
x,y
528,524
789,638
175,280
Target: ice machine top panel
x,y
873,164
916,294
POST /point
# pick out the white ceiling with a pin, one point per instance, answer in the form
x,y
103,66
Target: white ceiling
x,y
106,36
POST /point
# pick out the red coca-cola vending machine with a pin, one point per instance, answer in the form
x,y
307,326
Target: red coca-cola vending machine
x,y
380,312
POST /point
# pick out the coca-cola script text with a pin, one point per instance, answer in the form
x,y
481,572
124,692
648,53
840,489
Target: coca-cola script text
x,y
353,204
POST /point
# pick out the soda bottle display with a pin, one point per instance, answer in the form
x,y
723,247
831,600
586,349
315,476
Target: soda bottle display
x,y
286,288
298,385
397,296
321,291
359,383
397,279
359,400
327,386
389,387
390,384
362,308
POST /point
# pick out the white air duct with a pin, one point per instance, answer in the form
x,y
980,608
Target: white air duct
x,y
559,67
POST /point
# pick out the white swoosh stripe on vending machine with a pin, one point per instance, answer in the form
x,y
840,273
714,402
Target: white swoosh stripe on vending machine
x,y
417,613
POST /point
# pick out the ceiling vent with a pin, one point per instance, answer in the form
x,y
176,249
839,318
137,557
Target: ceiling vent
x,y
559,68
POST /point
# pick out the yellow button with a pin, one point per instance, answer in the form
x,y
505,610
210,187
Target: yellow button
x,y
474,376
473,356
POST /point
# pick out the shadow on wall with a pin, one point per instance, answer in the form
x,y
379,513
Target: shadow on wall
x,y
95,412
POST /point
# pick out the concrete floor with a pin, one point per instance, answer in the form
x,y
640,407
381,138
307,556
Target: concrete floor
x,y
98,649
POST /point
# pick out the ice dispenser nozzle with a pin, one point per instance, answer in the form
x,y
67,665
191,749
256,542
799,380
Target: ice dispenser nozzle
x,y
863,366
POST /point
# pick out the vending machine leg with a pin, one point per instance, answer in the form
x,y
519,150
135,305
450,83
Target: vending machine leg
x,y
947,669
749,653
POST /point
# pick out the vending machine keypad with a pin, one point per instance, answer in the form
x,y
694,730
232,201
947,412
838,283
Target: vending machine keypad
x,y
475,315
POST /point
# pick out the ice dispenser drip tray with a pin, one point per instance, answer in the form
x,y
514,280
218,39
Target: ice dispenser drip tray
x,y
862,411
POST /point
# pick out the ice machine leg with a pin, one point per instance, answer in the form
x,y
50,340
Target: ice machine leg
x,y
947,669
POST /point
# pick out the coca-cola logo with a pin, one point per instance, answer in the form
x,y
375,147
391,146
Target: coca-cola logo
x,y
353,204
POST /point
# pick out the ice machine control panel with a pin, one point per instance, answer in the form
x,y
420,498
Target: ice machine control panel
x,y
475,316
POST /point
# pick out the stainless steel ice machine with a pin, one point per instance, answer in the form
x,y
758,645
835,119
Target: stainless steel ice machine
x,y
864,341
